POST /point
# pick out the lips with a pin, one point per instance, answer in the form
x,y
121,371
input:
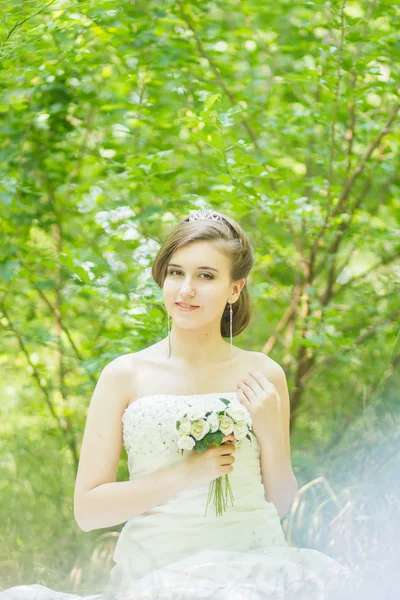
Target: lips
x,y
188,306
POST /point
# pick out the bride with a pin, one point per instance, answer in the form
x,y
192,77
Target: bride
x,y
168,548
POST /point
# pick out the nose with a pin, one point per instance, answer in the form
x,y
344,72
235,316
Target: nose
x,y
187,289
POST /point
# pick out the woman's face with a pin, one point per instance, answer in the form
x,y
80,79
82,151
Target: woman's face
x,y
199,275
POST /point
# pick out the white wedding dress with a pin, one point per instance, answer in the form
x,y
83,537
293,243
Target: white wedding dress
x,y
173,551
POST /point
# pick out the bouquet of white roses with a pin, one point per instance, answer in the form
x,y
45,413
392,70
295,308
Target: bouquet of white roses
x,y
199,428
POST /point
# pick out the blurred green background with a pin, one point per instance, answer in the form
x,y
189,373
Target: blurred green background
x,y
117,120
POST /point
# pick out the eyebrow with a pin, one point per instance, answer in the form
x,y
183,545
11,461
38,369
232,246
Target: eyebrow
x,y
209,268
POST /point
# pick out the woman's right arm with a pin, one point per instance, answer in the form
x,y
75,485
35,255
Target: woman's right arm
x,y
99,500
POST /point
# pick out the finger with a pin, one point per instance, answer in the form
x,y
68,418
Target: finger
x,y
251,387
263,382
259,377
228,449
245,401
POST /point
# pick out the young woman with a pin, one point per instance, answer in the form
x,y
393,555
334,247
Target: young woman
x,y
168,548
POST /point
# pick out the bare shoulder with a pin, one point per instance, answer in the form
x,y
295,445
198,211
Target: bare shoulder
x,y
121,365
266,365
119,376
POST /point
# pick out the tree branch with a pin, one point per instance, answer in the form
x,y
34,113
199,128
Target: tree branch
x,y
35,372
56,314
330,359
20,23
351,180
382,262
222,85
336,106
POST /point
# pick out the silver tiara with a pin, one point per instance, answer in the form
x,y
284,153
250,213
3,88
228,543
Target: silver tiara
x,y
209,214
205,213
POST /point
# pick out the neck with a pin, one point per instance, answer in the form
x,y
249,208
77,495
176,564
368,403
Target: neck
x,y
193,350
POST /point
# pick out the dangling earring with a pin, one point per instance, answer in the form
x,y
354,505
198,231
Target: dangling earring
x,y
230,326
169,339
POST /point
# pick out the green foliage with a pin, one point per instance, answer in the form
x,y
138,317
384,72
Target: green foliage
x,y
209,440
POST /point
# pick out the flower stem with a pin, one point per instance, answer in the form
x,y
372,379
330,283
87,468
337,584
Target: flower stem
x,y
218,491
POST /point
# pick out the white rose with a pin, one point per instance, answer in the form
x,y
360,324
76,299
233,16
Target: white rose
x,y
199,429
184,427
213,420
226,424
240,430
186,442
195,413
248,421
237,412
219,405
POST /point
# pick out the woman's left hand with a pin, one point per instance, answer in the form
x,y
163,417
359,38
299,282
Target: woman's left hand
x,y
261,399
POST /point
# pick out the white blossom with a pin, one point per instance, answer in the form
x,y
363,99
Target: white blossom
x,y
240,430
184,427
213,420
238,412
249,420
199,429
226,424
219,405
195,413
186,442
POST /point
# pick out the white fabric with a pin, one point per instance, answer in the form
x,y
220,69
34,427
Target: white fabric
x,y
174,551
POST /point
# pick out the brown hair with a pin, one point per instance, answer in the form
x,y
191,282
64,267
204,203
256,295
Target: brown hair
x,y
232,241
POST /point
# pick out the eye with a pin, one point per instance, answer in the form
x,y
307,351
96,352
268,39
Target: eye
x,y
172,271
